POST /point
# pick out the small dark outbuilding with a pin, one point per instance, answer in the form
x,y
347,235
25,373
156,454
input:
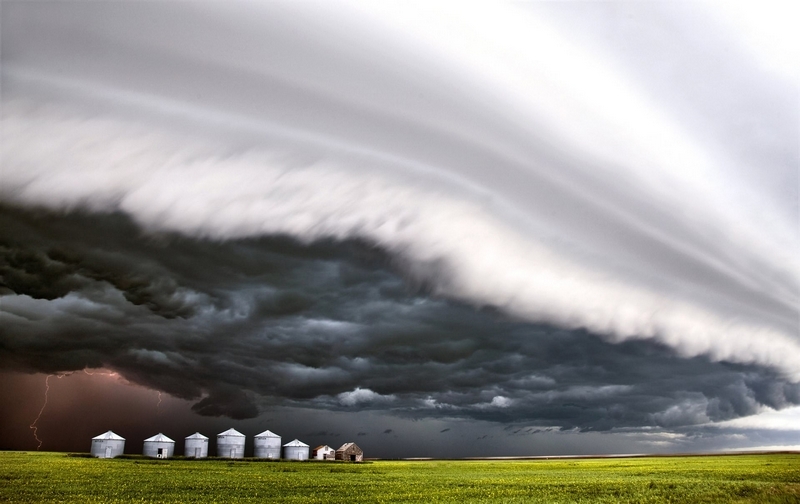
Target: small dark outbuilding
x,y
350,452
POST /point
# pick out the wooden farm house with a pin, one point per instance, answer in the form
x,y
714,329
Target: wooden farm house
x,y
323,452
350,452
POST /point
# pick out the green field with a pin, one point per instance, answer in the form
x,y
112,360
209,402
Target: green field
x,y
57,477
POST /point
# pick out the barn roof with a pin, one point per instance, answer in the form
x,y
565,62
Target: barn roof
x,y
322,447
196,435
296,442
267,433
159,438
109,435
348,446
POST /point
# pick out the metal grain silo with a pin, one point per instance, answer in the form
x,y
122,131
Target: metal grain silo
x,y
268,445
295,450
230,444
159,446
108,445
196,446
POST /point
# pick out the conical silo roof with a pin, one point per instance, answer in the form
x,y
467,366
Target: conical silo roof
x,y
296,442
109,435
231,432
160,438
196,435
267,433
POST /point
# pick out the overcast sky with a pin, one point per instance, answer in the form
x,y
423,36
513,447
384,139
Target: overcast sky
x,y
438,229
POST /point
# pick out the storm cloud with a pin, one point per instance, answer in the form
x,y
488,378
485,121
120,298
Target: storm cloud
x,y
432,210
242,324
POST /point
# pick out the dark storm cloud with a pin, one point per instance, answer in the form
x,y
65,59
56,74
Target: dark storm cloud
x,y
228,401
54,274
244,324
324,433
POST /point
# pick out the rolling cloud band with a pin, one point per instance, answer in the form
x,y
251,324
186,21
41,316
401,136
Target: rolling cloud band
x,y
407,208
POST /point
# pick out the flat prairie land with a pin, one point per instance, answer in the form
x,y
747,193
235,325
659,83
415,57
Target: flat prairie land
x,y
59,477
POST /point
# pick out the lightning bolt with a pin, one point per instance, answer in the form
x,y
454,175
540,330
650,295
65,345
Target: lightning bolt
x,y
158,405
101,373
33,425
46,391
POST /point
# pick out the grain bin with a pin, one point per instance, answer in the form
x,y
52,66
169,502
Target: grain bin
x,y
295,450
268,445
108,445
196,446
159,446
230,444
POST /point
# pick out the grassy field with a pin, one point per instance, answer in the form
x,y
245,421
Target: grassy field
x,y
56,477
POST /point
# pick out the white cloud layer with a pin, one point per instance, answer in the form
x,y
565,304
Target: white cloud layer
x,y
784,420
359,396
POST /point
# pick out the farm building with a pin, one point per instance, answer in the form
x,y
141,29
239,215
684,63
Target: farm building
x,y
108,445
268,445
159,446
350,452
295,450
323,452
230,444
196,446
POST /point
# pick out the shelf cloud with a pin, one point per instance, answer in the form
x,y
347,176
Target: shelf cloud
x,y
431,209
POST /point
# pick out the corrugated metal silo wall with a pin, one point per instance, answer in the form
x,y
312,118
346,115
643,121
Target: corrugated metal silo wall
x,y
108,448
197,448
267,447
151,449
295,452
230,446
